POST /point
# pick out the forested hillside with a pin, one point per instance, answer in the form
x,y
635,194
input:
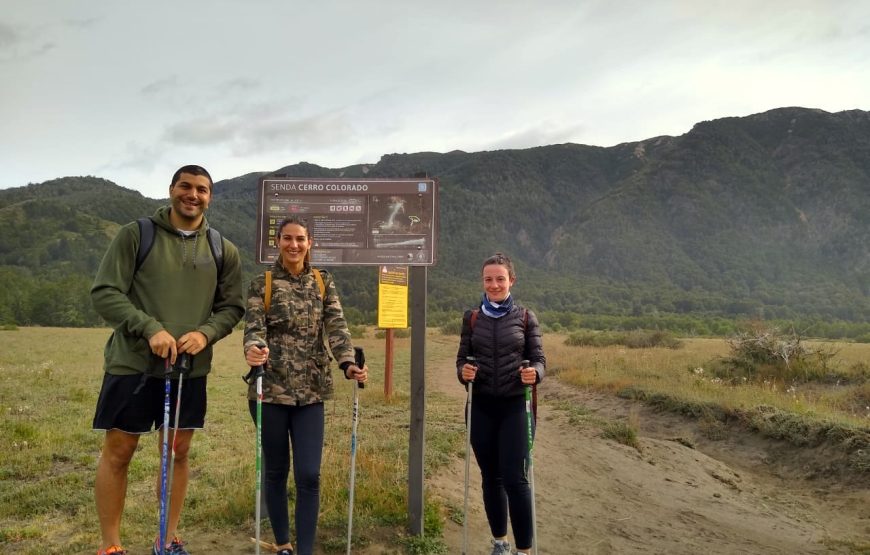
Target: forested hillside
x,y
761,216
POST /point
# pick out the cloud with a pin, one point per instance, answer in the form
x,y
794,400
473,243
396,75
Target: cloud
x,y
544,133
8,36
82,23
15,47
314,132
139,157
160,85
264,127
240,84
201,132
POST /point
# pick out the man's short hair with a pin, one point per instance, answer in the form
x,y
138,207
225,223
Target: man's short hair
x,y
192,169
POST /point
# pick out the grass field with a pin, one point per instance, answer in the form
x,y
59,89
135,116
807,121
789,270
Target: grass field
x,y
50,377
49,381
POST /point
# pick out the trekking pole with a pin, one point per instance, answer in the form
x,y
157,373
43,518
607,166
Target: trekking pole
x,y
164,459
183,366
529,430
257,372
471,361
360,358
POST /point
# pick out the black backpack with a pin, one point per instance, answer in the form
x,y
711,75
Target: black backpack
x,y
147,228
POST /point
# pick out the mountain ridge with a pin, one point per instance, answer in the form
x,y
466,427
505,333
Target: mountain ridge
x,y
756,216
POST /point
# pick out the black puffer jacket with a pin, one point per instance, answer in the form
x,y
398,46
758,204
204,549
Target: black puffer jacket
x,y
499,344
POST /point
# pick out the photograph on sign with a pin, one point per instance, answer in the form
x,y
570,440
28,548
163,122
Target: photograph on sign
x,y
353,221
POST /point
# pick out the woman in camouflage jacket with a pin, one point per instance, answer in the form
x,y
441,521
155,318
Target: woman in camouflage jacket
x,y
289,338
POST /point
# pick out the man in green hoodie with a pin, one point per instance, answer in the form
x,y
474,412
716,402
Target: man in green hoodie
x,y
177,301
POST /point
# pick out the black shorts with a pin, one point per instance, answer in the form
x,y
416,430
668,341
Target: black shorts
x,y
135,404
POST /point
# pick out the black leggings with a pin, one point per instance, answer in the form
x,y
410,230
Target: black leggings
x,y
499,437
303,427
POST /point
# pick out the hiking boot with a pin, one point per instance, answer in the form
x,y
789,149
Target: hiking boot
x,y
175,548
501,547
112,550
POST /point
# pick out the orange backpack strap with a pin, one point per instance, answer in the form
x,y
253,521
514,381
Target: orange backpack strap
x,y
267,297
320,284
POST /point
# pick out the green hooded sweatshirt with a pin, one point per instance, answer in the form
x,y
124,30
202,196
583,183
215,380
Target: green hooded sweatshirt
x,y
175,289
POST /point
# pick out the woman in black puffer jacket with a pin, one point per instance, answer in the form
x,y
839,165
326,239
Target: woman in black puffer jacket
x,y
499,335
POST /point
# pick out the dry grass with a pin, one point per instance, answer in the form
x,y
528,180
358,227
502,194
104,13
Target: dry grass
x,y
49,380
680,374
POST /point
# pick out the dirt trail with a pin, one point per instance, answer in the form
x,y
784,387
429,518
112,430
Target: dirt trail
x,y
597,496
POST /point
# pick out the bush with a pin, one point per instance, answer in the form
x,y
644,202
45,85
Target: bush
x,y
764,353
398,333
647,339
621,433
638,339
453,327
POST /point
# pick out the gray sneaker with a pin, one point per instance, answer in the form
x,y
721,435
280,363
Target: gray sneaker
x,y
501,547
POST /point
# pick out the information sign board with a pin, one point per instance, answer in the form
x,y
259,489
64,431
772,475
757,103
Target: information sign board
x,y
353,221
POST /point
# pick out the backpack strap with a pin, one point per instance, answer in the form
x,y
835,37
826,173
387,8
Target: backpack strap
x,y
320,284
147,229
216,243
267,297
146,241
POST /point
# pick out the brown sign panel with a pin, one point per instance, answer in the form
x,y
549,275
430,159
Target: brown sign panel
x,y
352,221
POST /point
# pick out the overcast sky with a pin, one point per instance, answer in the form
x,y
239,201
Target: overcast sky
x,y
129,90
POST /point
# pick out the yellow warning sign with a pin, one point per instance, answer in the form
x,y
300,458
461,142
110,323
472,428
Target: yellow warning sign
x,y
393,297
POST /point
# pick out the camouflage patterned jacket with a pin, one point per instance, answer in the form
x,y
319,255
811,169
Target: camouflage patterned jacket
x,y
298,371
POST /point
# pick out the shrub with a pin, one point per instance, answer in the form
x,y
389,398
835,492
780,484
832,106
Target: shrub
x,y
453,327
621,433
398,333
638,339
762,353
357,331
